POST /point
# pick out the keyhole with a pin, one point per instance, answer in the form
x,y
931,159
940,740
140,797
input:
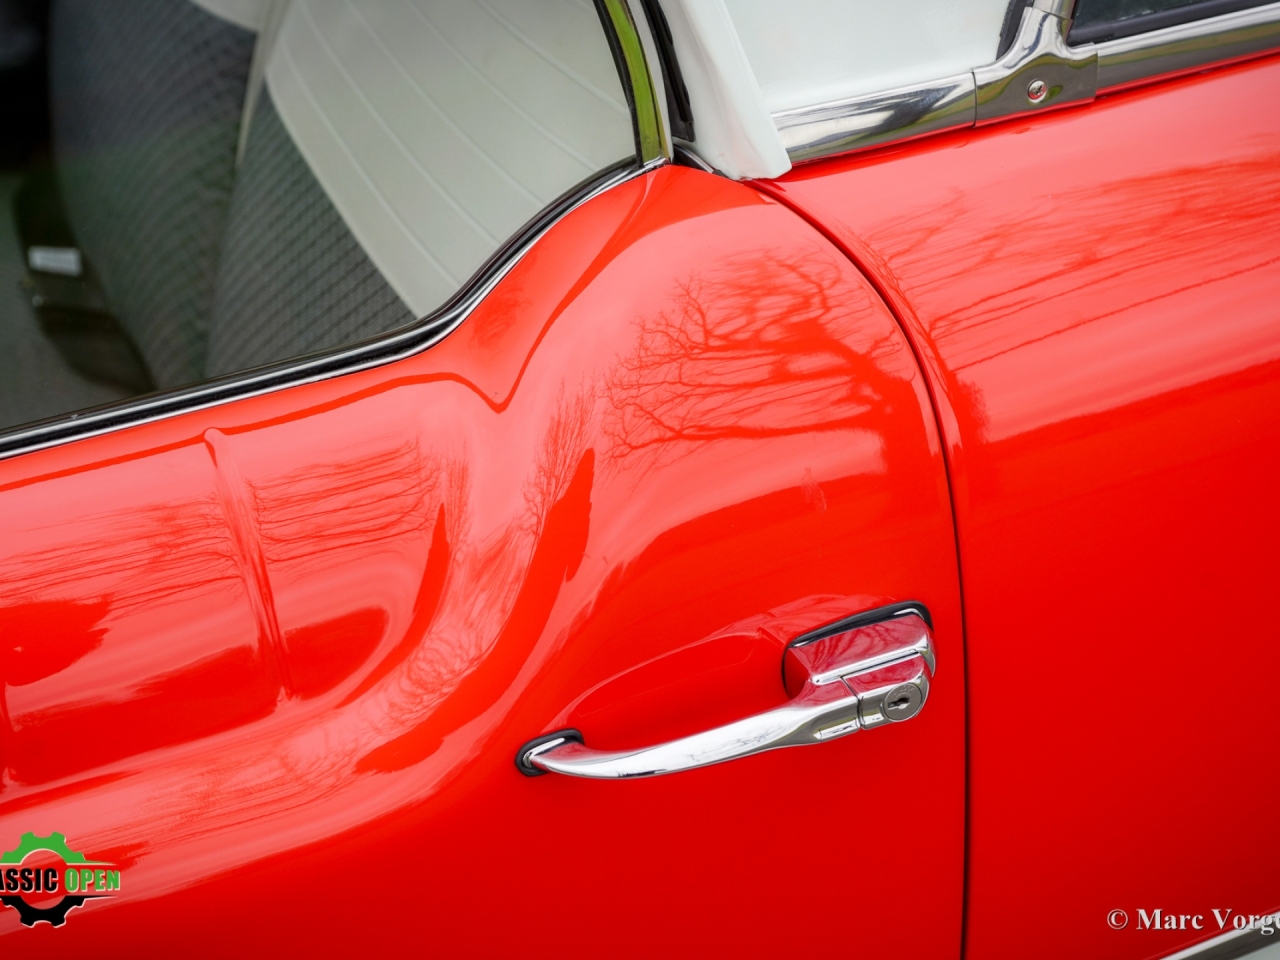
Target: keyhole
x,y
900,702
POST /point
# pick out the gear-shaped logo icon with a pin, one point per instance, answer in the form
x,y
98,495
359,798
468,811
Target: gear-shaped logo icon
x,y
55,916
55,843
20,883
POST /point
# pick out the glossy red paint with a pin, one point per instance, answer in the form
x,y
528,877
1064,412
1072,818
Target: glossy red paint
x,y
1095,296
276,657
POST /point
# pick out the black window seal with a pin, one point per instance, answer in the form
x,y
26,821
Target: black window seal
x,y
679,111
1009,29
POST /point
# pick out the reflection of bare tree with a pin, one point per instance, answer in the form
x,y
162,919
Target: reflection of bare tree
x,y
449,531
463,677
562,448
131,558
362,499
335,512
758,349
1075,241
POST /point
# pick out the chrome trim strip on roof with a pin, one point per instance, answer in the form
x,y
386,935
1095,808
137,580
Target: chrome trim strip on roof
x,y
1038,58
350,359
860,122
998,90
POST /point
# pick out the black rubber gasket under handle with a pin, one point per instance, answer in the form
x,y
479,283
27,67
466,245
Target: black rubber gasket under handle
x,y
528,769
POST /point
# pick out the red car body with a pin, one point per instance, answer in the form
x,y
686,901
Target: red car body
x,y
1095,296
289,645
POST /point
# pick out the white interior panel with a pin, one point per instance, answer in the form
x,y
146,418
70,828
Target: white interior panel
x,y
438,127
731,118
805,52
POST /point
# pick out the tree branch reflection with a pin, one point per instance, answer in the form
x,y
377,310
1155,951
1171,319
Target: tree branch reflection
x,y
758,349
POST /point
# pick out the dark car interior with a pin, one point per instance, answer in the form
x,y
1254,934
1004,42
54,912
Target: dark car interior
x,y
146,241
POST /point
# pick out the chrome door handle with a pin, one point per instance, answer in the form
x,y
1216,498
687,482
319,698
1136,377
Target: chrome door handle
x,y
849,676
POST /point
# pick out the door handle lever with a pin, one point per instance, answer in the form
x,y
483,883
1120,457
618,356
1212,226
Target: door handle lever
x,y
846,677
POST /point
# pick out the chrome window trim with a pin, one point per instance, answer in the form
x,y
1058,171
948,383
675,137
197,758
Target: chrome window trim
x,y
1072,74
642,93
653,152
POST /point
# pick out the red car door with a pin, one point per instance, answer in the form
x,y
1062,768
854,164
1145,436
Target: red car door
x,y
273,660
1095,294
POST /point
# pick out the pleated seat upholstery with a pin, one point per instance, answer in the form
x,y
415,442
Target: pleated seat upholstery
x,y
292,280
147,98
259,180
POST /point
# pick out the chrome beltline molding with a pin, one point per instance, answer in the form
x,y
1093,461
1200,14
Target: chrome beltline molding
x,y
1003,89
361,356
899,114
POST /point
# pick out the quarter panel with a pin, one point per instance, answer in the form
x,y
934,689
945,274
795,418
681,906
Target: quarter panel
x,y
1096,297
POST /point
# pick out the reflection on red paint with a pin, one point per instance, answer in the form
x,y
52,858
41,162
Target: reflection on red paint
x,y
684,417
425,605
126,625
1098,300
322,655
221,691
703,685
40,639
562,538
725,362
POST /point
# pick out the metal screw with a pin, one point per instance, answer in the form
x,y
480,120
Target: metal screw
x,y
1037,90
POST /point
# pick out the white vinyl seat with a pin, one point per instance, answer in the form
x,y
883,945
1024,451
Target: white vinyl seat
x,y
397,145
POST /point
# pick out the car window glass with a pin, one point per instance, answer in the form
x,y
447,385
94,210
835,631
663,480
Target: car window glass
x,y
1095,11
805,52
1099,20
192,189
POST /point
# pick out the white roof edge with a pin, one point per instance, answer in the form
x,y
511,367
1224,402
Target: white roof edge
x,y
734,129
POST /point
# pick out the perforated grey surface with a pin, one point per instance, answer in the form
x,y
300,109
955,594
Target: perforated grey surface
x,y
293,280
146,103
35,382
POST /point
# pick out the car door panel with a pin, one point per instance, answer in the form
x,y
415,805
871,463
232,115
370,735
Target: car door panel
x,y
680,432
1096,297
126,624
